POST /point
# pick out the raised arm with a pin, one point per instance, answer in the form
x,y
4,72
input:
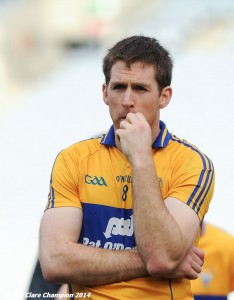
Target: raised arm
x,y
164,230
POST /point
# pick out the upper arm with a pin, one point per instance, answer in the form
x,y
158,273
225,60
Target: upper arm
x,y
186,218
192,180
231,245
58,226
64,182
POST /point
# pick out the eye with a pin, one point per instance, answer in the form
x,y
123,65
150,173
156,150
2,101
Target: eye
x,y
119,86
139,88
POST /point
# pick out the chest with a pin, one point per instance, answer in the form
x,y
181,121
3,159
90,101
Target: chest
x,y
106,178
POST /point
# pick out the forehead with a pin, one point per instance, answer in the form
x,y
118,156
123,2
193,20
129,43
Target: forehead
x,y
136,71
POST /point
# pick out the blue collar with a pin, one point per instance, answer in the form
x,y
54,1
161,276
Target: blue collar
x,y
161,141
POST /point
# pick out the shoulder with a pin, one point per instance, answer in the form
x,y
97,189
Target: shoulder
x,y
186,151
82,149
184,145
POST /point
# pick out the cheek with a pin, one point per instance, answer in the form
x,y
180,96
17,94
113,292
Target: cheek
x,y
150,110
113,108
150,106
114,103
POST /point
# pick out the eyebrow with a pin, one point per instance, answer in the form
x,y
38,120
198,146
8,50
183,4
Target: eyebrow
x,y
139,83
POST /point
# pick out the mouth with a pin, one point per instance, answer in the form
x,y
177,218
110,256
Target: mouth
x,y
122,118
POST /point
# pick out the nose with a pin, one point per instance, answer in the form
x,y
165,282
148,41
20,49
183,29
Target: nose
x,y
128,99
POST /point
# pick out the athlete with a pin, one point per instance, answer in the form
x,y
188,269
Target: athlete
x,y
216,280
133,198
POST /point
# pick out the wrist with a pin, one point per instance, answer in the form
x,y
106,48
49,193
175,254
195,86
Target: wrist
x,y
142,164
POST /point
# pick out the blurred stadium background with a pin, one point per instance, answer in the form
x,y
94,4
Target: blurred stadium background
x,y
50,97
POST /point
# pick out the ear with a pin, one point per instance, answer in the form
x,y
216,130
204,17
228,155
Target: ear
x,y
104,93
165,97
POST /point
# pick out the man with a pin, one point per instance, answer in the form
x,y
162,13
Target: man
x,y
138,190
216,280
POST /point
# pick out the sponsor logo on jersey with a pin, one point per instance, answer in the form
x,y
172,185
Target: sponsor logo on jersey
x,y
107,227
124,178
107,245
94,180
120,226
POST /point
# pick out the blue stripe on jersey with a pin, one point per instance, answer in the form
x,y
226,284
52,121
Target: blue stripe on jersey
x,y
163,138
109,138
51,193
209,297
210,169
107,227
203,189
70,291
50,203
161,141
212,178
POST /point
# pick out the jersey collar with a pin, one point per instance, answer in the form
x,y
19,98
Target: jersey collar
x,y
161,141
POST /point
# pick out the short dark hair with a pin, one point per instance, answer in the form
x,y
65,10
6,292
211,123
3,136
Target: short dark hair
x,y
143,49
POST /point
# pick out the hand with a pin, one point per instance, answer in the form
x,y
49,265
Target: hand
x,y
191,265
135,137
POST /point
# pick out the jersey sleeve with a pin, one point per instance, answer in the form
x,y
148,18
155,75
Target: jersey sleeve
x,y
64,182
231,277
192,181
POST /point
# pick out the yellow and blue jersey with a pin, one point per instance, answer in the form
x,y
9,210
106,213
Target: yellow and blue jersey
x,y
217,278
95,176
